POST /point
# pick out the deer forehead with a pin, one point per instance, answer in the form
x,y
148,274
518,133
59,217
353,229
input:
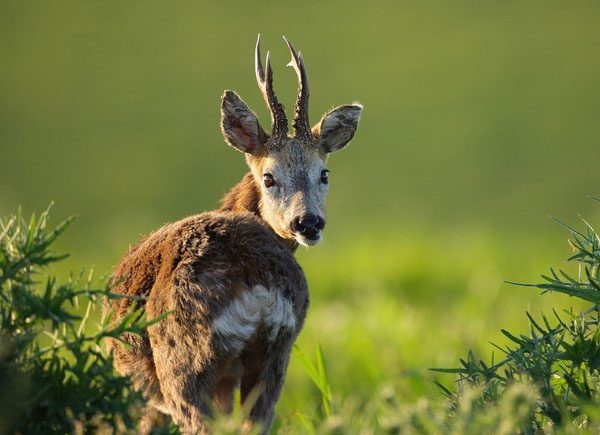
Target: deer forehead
x,y
294,162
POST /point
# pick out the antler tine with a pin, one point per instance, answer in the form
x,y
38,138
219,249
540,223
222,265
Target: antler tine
x,y
264,78
260,73
301,122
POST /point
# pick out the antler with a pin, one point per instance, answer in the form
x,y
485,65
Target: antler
x,y
301,123
279,124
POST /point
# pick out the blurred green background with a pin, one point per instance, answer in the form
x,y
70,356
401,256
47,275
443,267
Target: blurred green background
x,y
480,120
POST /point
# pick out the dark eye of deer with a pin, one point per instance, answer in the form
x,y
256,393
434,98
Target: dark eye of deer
x,y
324,176
268,180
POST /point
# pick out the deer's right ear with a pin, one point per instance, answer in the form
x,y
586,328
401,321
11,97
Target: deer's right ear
x,y
239,124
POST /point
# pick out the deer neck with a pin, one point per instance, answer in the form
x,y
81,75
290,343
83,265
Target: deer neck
x,y
245,196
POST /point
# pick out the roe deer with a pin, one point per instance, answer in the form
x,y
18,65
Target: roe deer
x,y
236,294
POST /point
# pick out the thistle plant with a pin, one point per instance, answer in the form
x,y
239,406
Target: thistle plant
x,y
560,356
54,375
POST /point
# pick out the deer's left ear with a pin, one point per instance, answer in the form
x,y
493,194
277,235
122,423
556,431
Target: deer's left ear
x,y
240,125
337,127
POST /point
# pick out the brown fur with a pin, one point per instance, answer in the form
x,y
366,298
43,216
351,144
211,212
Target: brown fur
x,y
244,196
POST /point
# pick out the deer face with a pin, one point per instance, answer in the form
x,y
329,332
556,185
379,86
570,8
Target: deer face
x,y
291,170
294,183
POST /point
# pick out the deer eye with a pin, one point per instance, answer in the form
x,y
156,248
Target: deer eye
x,y
324,176
268,180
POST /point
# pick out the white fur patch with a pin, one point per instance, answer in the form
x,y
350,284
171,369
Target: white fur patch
x,y
239,321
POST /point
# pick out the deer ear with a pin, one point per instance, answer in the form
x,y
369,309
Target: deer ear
x,y
337,127
239,124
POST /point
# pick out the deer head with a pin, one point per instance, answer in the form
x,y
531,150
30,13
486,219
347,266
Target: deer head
x,y
290,170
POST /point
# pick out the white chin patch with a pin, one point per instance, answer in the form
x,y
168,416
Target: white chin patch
x,y
304,241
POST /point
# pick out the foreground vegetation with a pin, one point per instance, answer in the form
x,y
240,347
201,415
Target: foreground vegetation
x,y
545,381
56,377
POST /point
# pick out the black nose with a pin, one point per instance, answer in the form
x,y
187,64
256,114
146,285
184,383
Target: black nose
x,y
308,225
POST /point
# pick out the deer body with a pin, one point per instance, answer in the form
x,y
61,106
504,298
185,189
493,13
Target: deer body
x,y
237,296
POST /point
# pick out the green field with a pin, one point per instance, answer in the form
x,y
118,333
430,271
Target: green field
x,y
480,120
